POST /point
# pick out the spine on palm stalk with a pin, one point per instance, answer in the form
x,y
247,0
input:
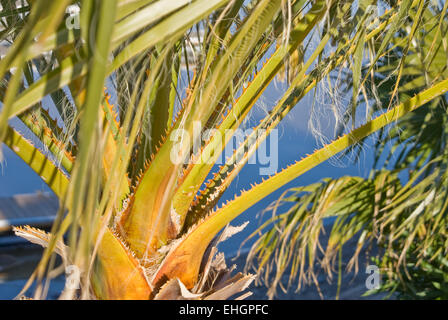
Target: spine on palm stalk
x,y
149,230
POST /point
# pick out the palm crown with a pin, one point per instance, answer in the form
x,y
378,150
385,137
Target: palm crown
x,y
130,214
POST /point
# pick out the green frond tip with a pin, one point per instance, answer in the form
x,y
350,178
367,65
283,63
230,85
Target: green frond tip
x,y
43,166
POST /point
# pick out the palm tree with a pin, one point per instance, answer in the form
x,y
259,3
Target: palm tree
x,y
401,205
136,223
